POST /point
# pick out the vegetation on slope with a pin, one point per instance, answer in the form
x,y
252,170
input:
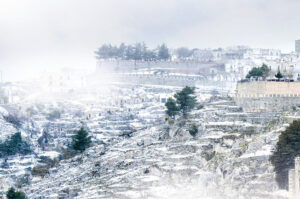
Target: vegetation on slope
x,y
12,194
184,102
193,130
81,140
287,148
14,145
262,71
172,108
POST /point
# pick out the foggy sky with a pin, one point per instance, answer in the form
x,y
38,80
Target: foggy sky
x,y
48,34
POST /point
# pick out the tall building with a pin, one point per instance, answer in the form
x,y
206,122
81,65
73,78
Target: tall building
x,y
297,46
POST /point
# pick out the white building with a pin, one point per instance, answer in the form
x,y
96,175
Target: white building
x,y
239,66
260,53
203,55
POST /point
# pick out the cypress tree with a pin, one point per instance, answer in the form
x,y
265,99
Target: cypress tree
x,y
278,75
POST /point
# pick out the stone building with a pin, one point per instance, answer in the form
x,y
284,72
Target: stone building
x,y
267,96
294,180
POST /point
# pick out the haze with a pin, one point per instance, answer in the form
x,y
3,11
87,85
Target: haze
x,y
38,36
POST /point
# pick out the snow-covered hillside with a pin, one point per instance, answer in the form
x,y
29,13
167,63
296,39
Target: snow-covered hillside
x,y
136,153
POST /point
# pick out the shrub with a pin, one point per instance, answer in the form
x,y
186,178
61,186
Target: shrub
x,y
287,148
193,130
48,161
53,115
68,153
40,170
200,107
12,194
14,145
262,71
209,156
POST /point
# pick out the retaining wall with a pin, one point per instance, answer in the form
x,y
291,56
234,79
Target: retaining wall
x,y
264,96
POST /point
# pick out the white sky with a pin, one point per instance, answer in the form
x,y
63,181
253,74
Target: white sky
x,y
42,34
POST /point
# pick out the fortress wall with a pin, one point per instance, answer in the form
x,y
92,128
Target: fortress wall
x,y
267,104
265,88
263,96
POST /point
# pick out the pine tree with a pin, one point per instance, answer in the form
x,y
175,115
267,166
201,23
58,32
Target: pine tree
x,y
129,52
81,140
287,148
121,51
172,108
184,102
163,52
184,99
138,53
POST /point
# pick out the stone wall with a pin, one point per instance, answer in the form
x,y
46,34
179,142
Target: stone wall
x,y
264,96
159,80
268,89
294,180
176,80
188,66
